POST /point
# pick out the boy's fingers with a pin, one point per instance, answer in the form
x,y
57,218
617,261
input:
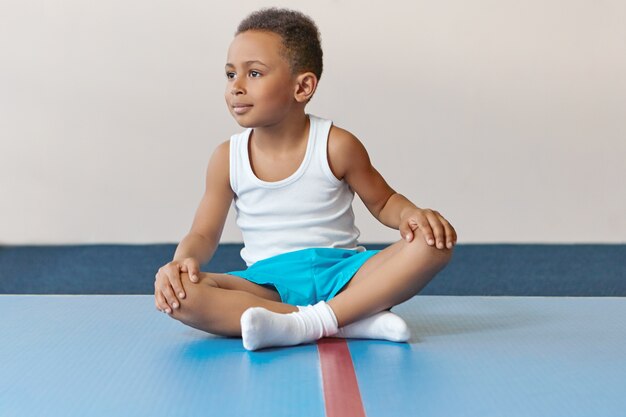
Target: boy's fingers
x,y
427,231
158,296
172,277
178,287
171,285
450,233
406,232
170,298
192,268
160,301
438,229
193,276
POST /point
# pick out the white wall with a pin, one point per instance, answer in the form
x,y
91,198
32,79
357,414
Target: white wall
x,y
508,117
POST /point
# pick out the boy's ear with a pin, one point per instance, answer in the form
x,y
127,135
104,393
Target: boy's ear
x,y
306,84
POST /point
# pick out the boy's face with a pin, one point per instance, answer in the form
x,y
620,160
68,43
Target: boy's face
x,y
260,87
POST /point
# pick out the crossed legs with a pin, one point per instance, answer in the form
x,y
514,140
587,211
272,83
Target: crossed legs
x,y
390,277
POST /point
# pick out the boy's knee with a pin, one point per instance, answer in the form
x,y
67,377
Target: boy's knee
x,y
439,257
445,256
195,296
195,290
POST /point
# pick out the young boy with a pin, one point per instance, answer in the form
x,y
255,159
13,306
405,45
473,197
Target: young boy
x,y
293,176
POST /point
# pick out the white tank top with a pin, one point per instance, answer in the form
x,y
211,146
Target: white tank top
x,y
309,209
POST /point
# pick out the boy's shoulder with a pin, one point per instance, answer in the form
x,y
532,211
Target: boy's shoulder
x,y
222,151
220,158
344,151
342,140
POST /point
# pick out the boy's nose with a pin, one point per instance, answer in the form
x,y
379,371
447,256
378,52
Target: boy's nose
x,y
237,88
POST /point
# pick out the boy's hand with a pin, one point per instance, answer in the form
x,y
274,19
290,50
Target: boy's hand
x,y
432,224
167,283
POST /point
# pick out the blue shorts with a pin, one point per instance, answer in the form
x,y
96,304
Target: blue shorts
x,y
307,276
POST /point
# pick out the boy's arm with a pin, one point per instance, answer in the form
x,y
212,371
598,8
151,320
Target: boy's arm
x,y
202,240
200,243
349,160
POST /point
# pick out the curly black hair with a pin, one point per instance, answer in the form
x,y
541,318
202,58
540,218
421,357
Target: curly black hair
x,y
301,38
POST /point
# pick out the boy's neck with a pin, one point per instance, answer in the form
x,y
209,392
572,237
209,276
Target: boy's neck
x,y
283,136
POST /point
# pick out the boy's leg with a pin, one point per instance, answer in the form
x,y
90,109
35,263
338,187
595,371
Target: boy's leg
x,y
375,261
402,270
233,282
383,325
209,307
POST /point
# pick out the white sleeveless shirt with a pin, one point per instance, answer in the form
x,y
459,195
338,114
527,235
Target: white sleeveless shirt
x,y
309,209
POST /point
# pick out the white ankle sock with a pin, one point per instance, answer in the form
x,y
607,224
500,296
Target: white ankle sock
x,y
263,328
384,325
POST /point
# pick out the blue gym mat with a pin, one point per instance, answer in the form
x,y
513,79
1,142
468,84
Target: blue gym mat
x,y
99,355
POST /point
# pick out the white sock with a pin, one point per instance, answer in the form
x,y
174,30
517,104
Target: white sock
x,y
263,328
384,325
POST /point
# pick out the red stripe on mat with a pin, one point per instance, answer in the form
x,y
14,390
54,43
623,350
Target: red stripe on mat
x,y
341,390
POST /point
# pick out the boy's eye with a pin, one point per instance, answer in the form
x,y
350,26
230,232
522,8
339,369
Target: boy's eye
x,y
230,75
255,74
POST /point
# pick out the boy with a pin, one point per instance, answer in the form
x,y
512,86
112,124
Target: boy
x,y
293,176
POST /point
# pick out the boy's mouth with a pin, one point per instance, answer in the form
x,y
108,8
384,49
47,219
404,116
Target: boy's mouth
x,y
241,108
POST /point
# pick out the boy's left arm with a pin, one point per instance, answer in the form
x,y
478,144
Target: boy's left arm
x,y
350,160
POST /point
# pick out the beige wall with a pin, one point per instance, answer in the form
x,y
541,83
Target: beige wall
x,y
508,117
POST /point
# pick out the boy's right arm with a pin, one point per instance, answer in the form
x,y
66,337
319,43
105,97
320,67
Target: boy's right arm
x,y
199,245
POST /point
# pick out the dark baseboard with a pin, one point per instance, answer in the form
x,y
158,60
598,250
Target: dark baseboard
x,y
476,269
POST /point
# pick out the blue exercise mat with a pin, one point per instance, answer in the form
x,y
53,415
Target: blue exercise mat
x,y
101,355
